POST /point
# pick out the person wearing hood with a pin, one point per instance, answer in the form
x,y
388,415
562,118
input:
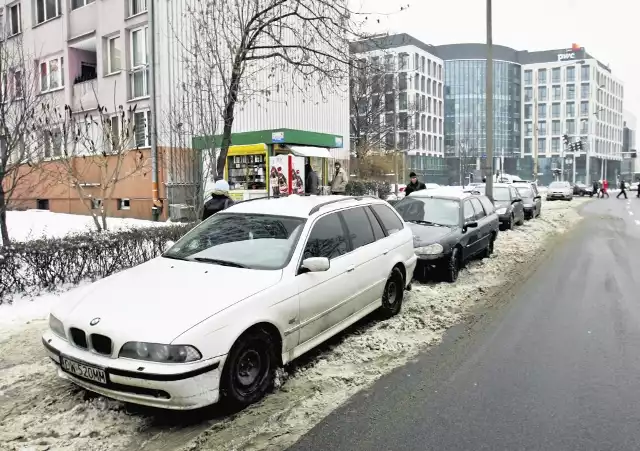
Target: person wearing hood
x,y
339,183
312,181
219,201
414,184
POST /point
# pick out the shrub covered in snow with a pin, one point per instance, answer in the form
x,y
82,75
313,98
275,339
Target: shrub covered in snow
x,y
366,187
49,263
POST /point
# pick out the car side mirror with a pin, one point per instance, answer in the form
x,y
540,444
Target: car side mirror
x,y
168,245
315,264
471,224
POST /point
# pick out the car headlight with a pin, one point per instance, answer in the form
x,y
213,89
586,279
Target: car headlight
x,y
155,352
432,249
57,327
501,211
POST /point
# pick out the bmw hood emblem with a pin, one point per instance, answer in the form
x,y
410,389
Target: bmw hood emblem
x,y
94,321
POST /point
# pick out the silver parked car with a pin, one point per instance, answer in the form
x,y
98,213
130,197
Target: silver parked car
x,y
560,190
530,198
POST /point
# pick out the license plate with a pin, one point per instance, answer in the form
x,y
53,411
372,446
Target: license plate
x,y
83,370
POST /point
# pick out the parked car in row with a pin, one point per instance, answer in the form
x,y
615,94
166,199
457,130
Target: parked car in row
x,y
508,204
560,190
449,227
251,288
531,199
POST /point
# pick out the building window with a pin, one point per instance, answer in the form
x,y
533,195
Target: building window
x,y
429,67
416,82
542,128
75,4
584,127
571,92
139,63
584,72
402,81
141,122
389,63
429,87
571,74
528,111
542,111
571,109
423,83
527,146
584,109
555,145
422,69
51,142
528,129
584,91
571,127
113,55
47,10
416,62
542,93
556,93
542,76
528,94
402,101
404,61
113,138
556,129
555,75
528,77
96,204
542,145
51,74
137,7
124,204
15,19
555,110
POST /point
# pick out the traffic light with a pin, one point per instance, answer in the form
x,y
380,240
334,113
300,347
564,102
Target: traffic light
x,y
565,139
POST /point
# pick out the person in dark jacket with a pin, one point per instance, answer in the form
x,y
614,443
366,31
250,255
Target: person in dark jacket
x,y
219,201
414,184
312,181
623,189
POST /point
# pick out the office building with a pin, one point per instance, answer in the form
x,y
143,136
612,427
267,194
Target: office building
x,y
630,165
413,108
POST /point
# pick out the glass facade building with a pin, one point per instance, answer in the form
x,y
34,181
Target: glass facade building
x,y
465,113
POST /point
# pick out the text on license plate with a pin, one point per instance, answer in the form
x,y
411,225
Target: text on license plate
x,y
84,371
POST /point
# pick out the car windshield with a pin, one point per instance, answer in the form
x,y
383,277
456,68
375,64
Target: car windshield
x,y
430,211
525,191
241,240
501,194
559,185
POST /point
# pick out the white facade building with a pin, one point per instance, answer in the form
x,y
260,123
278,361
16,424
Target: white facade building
x,y
570,92
414,93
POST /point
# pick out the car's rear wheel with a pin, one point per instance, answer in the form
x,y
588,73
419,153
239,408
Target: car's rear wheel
x,y
393,294
452,268
488,251
250,369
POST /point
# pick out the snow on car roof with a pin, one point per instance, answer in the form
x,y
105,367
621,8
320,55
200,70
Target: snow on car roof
x,y
298,206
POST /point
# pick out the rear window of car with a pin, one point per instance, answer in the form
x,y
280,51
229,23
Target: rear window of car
x,y
390,220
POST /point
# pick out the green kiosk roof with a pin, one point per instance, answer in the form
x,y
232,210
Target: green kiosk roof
x,y
276,136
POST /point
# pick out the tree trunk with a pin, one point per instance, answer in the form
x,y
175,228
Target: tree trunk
x,y
228,118
4,229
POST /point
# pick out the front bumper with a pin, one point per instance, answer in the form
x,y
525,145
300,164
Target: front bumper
x,y
410,267
167,386
552,196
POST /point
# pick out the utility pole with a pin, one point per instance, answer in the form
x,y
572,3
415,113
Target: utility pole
x,y
153,126
489,102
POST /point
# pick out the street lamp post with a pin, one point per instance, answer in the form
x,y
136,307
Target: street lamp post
x,y
489,102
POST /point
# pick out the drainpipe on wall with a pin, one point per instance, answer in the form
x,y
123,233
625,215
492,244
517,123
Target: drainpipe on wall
x,y
157,203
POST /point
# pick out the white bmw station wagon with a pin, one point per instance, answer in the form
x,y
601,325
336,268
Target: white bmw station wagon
x,y
246,291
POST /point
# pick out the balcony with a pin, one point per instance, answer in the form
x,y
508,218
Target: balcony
x,y
85,94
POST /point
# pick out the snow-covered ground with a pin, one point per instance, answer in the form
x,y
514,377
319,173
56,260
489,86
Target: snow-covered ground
x,y
34,224
38,411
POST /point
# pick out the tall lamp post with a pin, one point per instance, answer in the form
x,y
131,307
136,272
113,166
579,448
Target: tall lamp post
x,y
489,102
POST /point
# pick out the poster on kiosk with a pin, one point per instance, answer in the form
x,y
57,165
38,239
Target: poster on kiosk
x,y
286,175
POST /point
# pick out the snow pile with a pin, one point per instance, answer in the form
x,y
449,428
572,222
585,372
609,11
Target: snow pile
x,y
38,411
34,224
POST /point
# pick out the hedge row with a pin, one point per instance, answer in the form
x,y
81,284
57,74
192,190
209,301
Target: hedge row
x,y
361,188
46,264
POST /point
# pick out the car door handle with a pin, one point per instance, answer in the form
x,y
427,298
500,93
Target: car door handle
x,y
385,252
351,268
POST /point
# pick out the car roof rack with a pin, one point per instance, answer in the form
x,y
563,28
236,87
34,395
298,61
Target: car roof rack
x,y
343,199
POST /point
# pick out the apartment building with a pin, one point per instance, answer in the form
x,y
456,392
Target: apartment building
x,y
110,53
413,92
568,91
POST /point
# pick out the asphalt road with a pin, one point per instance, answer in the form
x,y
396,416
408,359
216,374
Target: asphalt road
x,y
557,368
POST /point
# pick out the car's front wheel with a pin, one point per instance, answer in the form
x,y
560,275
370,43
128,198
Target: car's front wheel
x,y
452,267
250,369
393,294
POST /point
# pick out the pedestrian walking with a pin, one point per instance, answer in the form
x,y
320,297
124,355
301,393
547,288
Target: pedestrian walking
x,y
414,184
605,188
595,188
313,182
219,201
339,182
623,190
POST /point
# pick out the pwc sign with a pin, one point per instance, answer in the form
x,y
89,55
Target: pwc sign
x,y
566,56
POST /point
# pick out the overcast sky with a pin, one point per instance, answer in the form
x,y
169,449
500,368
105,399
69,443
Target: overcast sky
x,y
608,30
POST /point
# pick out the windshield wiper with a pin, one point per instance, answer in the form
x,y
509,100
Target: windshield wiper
x,y
216,261
418,221
174,257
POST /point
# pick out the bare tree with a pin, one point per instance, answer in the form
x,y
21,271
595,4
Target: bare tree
x,y
21,119
383,118
94,151
247,48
